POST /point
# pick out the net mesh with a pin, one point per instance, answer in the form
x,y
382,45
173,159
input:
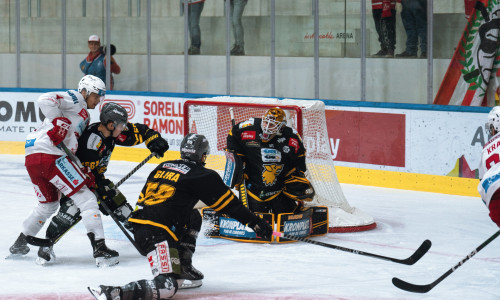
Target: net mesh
x,y
212,117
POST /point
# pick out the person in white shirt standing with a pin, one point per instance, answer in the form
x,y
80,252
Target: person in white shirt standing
x,y
53,173
489,168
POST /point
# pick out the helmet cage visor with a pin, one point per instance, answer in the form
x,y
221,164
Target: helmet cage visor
x,y
270,125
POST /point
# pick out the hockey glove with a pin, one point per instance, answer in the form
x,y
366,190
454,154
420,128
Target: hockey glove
x,y
261,228
158,145
90,178
60,130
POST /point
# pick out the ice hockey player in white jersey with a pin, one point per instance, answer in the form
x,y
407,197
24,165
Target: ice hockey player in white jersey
x,y
53,173
489,168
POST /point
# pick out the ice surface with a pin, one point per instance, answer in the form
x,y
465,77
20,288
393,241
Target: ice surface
x,y
456,225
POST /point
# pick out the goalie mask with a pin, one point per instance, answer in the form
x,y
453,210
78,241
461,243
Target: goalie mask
x,y
195,147
493,121
273,122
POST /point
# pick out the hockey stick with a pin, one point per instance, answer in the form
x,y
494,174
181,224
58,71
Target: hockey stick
x,y
424,288
49,242
426,245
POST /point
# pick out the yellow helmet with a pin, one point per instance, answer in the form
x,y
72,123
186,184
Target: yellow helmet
x,y
272,122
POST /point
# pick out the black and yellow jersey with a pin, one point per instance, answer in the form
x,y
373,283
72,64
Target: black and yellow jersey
x,y
94,150
174,187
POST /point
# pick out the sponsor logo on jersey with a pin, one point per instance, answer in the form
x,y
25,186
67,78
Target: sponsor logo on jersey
x,y
94,142
270,174
68,171
294,143
84,114
122,137
72,95
29,143
270,155
181,168
248,135
286,149
252,144
281,140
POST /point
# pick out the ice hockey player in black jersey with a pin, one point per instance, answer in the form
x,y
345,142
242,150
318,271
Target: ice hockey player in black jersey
x,y
95,146
166,205
270,164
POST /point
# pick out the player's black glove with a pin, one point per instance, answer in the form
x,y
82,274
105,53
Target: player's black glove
x,y
159,146
106,193
261,228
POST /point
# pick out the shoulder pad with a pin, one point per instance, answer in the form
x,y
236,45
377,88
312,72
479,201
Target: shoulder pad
x,y
247,123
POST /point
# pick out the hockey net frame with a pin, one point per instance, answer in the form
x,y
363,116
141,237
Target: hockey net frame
x,y
212,117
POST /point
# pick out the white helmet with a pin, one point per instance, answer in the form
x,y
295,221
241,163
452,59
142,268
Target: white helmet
x,y
92,84
493,120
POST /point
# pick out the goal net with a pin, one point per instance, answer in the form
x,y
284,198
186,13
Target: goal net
x,y
212,117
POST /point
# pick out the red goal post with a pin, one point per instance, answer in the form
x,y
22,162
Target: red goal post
x,y
212,117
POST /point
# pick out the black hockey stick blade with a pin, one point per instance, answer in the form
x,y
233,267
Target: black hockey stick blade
x,y
424,288
33,240
410,287
424,247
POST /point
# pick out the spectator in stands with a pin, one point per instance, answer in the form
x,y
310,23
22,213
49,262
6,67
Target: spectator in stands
x,y
237,7
115,68
414,16
195,7
95,62
384,15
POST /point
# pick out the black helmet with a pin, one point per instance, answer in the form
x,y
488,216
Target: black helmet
x,y
194,146
112,112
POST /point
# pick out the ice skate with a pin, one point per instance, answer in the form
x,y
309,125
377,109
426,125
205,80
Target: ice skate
x,y
190,277
45,255
104,257
19,248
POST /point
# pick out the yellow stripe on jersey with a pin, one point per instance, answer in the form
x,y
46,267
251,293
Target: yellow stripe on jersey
x,y
148,222
223,201
255,197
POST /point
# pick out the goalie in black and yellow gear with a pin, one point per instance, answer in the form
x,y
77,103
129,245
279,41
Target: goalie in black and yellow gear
x,y
271,171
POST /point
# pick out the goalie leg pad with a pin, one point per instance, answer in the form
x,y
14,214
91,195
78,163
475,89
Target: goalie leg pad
x,y
319,220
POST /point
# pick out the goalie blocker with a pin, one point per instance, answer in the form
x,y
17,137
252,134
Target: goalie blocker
x,y
310,221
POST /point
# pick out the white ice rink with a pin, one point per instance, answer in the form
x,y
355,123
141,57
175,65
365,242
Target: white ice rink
x,y
456,225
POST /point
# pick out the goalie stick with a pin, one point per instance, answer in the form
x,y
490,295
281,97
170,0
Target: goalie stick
x,y
424,288
424,247
49,242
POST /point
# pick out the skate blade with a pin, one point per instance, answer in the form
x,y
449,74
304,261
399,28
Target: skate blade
x,y
190,284
102,262
42,262
96,292
17,257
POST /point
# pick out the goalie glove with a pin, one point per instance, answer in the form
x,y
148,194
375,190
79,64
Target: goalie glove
x,y
298,187
261,228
